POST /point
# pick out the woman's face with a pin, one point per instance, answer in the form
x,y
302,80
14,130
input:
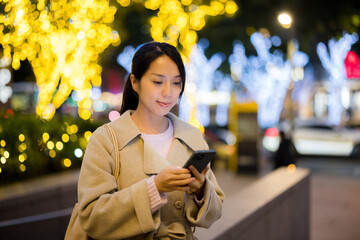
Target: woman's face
x,y
159,88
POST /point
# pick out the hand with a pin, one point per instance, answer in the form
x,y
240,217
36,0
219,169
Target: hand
x,y
197,186
173,178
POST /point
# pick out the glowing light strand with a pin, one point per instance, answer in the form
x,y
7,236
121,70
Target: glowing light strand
x,y
200,80
62,40
177,22
5,78
333,62
266,77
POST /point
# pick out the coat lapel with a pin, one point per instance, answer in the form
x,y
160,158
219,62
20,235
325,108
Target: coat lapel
x,y
186,140
153,161
178,154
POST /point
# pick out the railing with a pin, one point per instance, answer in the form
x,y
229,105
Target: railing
x,y
274,207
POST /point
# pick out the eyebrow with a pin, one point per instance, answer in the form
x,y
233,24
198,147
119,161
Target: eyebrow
x,y
162,76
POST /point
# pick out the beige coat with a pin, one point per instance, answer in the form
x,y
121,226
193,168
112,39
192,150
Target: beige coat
x,y
106,213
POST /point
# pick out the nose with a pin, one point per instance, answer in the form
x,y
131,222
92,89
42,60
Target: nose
x,y
167,90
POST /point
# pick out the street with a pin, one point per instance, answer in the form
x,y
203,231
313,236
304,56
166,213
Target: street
x,y
335,198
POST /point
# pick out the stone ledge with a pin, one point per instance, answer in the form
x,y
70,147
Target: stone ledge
x,y
40,184
276,206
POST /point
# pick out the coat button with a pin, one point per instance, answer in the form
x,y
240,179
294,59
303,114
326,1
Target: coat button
x,y
178,205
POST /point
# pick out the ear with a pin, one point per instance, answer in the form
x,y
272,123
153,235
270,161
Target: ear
x,y
134,83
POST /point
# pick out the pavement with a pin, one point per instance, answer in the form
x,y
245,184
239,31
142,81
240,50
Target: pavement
x,y
335,195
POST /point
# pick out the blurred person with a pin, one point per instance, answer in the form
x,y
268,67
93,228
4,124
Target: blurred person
x,y
284,155
158,199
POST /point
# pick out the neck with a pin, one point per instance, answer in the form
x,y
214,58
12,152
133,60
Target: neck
x,y
149,124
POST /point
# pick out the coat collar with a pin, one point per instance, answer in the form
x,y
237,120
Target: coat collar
x,y
125,126
186,133
127,131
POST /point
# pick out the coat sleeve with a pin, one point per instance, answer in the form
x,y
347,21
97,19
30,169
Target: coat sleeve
x,y
214,197
104,211
211,210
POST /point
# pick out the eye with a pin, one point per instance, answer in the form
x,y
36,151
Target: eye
x,y
157,82
178,83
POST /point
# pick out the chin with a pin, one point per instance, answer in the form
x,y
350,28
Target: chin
x,y
164,111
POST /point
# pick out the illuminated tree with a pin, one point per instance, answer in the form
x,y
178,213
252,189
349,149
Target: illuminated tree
x,y
266,76
200,75
333,62
62,39
177,21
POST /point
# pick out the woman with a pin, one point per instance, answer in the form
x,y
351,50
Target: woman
x,y
158,199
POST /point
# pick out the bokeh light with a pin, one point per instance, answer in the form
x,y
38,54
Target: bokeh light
x,y
78,153
62,40
178,21
67,162
285,20
113,115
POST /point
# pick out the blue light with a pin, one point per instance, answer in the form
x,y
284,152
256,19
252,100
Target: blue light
x,y
276,41
266,76
99,106
200,73
95,93
76,96
333,62
298,59
124,59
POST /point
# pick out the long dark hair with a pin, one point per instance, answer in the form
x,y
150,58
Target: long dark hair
x,y
141,61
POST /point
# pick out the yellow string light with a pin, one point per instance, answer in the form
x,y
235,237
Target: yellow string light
x,y
22,168
178,21
65,137
87,135
21,137
50,145
62,40
22,147
67,162
59,145
21,158
45,137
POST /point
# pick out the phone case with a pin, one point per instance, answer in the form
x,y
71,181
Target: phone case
x,y
200,159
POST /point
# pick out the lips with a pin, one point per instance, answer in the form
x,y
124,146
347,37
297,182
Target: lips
x,y
162,104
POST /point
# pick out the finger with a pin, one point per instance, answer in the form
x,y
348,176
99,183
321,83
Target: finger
x,y
183,182
195,172
182,170
206,169
178,170
181,176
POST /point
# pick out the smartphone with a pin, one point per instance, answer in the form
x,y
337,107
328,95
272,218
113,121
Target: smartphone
x,y
200,159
